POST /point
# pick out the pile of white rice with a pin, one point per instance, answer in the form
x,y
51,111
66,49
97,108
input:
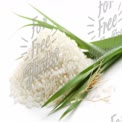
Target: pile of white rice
x,y
32,87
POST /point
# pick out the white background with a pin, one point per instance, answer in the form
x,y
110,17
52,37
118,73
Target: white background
x,y
72,15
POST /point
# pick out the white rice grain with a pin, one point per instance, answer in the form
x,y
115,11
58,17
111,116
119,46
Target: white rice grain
x,y
69,62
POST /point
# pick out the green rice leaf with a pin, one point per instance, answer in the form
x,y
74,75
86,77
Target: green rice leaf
x,y
68,96
96,49
109,43
85,73
39,23
42,25
75,104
